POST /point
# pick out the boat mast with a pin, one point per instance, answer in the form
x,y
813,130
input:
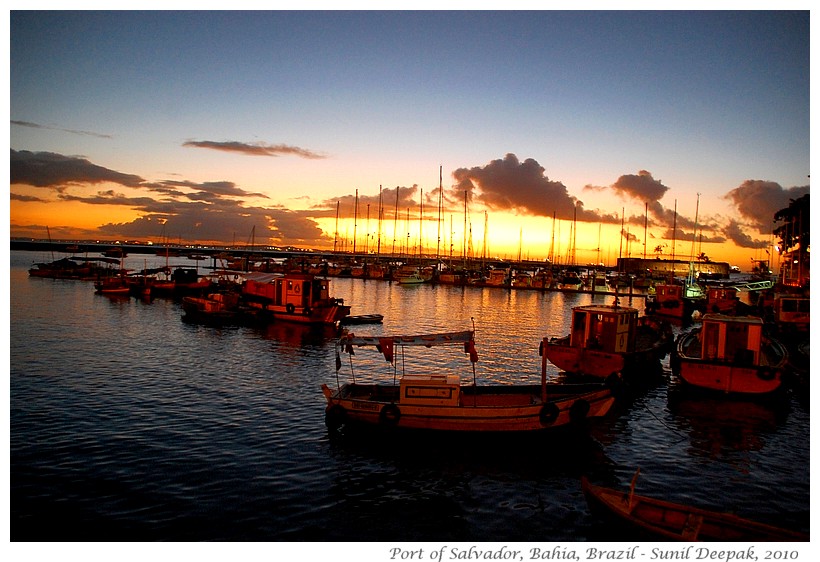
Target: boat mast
x,y
379,238
355,220
421,219
691,275
464,249
395,219
438,239
336,233
645,224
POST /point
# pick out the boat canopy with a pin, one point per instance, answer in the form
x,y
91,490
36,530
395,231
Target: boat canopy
x,y
427,340
387,344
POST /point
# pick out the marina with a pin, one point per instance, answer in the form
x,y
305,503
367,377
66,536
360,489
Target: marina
x,y
130,423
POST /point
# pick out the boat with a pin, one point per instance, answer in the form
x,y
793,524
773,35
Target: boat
x,y
730,354
113,285
611,340
722,299
676,300
659,520
215,308
439,401
363,319
302,298
410,276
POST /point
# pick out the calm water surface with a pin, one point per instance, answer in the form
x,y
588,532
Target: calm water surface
x,y
127,423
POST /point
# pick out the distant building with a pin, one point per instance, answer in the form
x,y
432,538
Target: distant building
x,y
659,268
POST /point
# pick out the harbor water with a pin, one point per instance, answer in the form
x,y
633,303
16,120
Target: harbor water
x,y
129,424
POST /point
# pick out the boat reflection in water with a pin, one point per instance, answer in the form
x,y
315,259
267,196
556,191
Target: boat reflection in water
x,y
717,426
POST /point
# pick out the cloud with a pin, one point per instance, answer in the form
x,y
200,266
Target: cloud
x,y
204,212
510,185
736,234
641,187
26,198
256,149
72,131
48,169
757,201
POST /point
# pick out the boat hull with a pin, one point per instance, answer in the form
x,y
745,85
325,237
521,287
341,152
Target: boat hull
x,y
729,378
479,409
655,519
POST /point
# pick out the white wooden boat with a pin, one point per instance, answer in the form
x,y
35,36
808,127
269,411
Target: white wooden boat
x,y
441,401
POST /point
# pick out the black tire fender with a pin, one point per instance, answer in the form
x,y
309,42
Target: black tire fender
x,y
548,414
389,415
290,308
306,311
335,416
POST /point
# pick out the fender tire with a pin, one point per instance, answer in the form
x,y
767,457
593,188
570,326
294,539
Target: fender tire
x,y
548,414
389,415
335,416
290,308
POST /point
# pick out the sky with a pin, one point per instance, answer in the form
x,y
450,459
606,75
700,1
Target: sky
x,y
578,136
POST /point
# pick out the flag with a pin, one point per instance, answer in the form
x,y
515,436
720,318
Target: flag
x,y
386,347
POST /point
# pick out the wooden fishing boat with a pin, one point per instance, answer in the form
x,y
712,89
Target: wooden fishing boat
x,y
117,285
216,308
656,519
438,401
301,298
676,300
730,354
610,340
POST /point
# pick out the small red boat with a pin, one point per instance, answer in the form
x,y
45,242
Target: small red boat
x,y
303,298
610,340
730,354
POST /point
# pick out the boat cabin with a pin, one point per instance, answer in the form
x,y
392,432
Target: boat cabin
x,y
299,290
731,339
609,328
722,299
792,311
430,390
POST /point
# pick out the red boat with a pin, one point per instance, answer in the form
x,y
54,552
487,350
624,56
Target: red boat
x,y
730,354
303,298
606,340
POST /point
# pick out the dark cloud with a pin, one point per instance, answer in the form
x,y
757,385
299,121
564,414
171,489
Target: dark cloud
x,y
522,187
47,169
641,187
738,235
757,201
72,131
26,198
256,149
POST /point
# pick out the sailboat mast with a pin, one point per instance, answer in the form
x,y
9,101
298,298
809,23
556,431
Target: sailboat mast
x,y
355,220
395,220
379,238
464,249
421,220
645,224
438,221
336,233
